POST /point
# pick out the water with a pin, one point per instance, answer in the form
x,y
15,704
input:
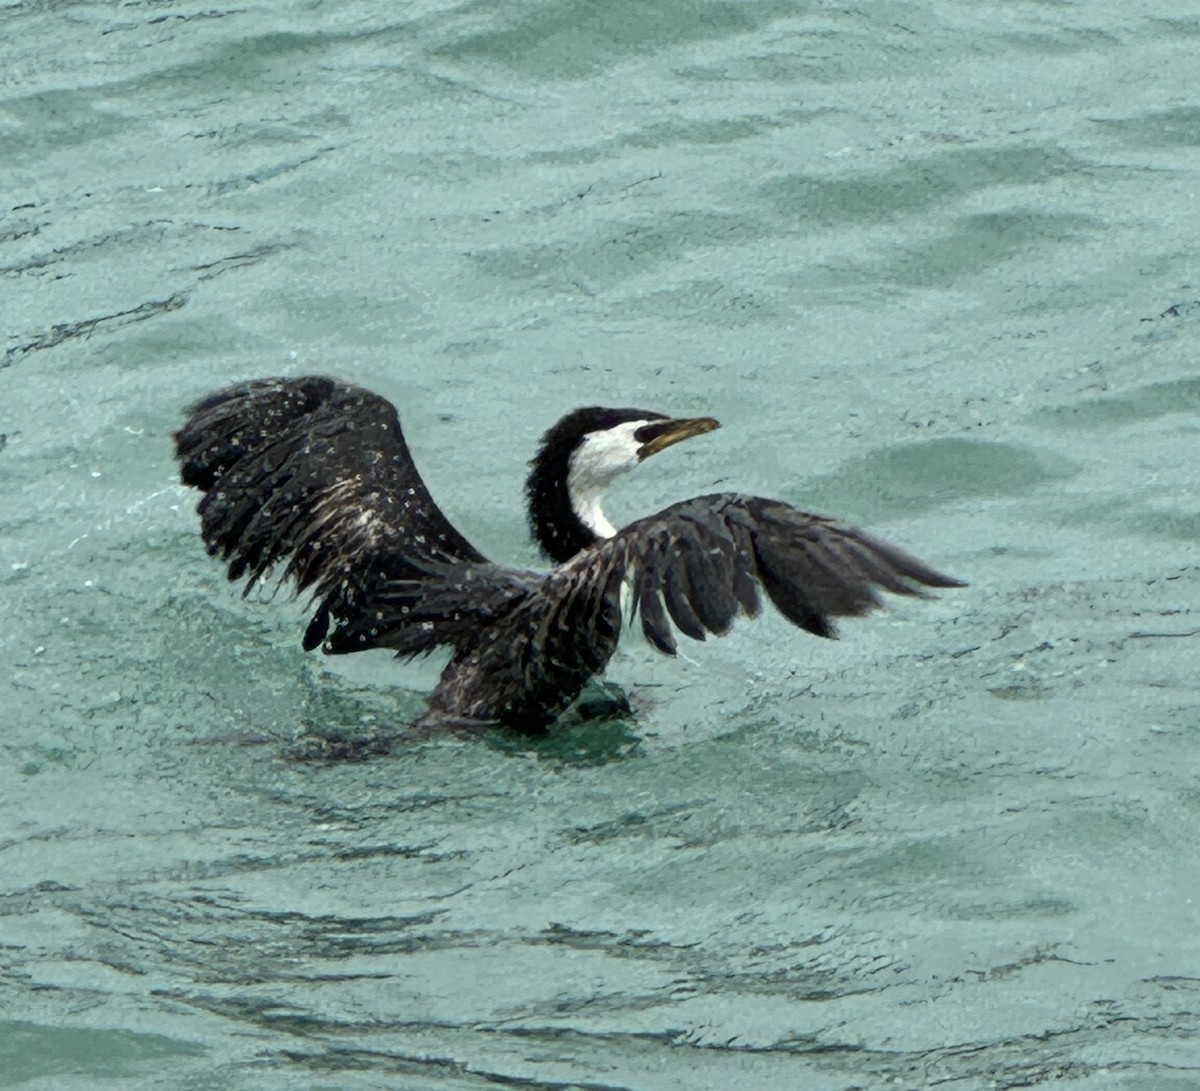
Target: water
x,y
934,268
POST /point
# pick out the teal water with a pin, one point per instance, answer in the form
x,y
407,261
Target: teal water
x,y
935,268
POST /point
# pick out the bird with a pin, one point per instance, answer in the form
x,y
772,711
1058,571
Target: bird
x,y
310,479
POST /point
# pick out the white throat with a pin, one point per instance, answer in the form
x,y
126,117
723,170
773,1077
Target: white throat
x,y
601,457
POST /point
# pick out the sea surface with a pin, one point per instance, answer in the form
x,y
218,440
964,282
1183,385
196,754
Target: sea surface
x,y
936,268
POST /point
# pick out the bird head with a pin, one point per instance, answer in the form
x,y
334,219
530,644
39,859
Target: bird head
x,y
580,457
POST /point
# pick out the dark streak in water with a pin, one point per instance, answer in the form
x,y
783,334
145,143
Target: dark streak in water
x,y
85,328
263,174
67,331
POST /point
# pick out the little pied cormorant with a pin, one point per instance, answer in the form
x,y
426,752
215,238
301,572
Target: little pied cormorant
x,y
315,472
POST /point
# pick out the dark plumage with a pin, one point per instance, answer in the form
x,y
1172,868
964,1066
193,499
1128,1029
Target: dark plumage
x,y
315,475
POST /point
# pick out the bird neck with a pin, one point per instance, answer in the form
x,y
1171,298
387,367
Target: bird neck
x,y
564,512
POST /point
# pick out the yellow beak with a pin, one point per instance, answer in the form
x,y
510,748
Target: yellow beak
x,y
675,430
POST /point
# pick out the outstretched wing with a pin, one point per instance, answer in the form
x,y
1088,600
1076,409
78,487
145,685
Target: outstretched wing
x,y
704,559
317,473
700,563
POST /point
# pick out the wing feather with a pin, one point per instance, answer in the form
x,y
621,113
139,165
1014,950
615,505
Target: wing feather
x,y
655,626
681,599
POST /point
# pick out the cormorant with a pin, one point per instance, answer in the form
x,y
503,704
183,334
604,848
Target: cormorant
x,y
316,473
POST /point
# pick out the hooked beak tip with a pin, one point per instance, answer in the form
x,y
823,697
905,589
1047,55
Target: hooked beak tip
x,y
675,431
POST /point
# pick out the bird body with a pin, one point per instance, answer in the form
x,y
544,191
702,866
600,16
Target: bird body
x,y
314,475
